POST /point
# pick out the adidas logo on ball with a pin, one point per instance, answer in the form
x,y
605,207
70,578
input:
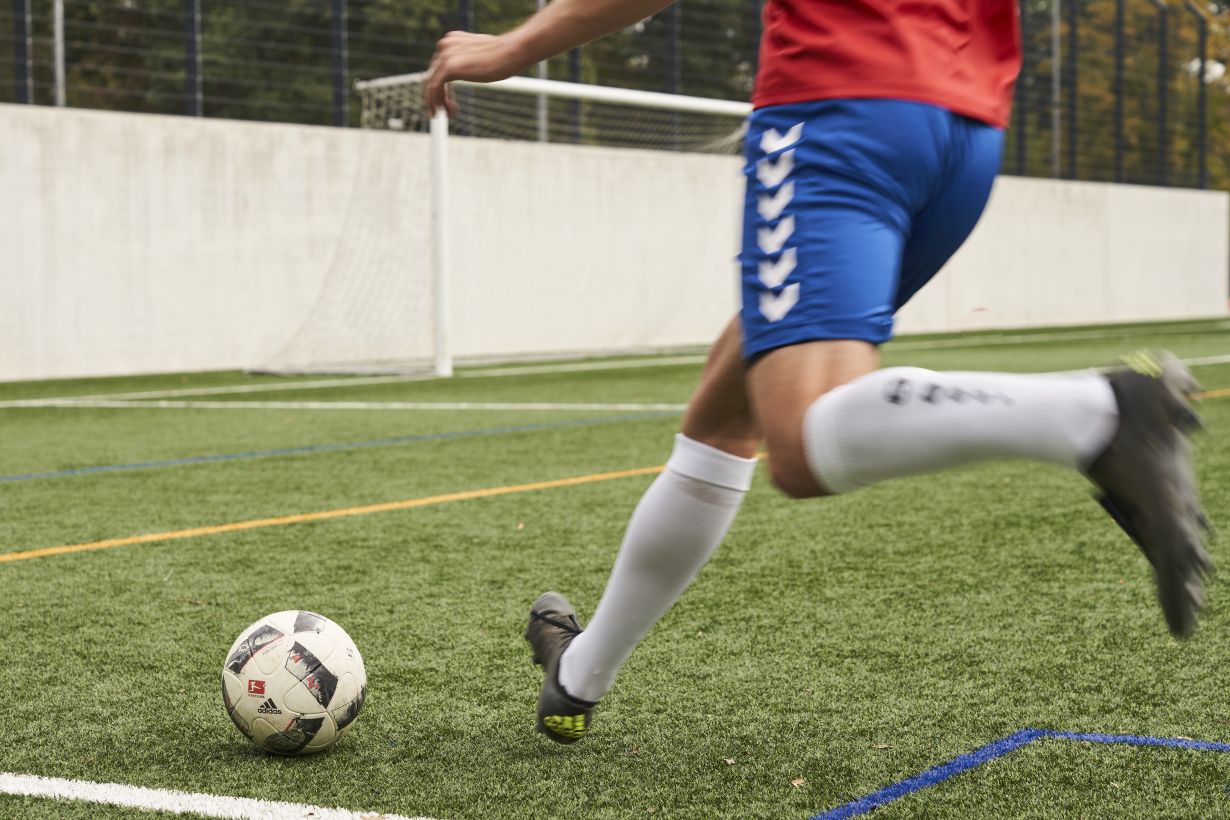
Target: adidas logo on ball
x,y
269,708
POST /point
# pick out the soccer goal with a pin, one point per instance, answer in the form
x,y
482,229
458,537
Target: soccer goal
x,y
386,303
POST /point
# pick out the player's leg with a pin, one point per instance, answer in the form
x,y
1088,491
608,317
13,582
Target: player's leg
x,y
675,528
685,513
1126,432
902,421
719,413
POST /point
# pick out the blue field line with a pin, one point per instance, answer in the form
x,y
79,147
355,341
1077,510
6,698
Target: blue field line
x,y
330,448
1143,740
936,774
1001,747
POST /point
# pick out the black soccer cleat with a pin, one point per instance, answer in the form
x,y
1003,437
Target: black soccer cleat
x,y
1148,483
553,625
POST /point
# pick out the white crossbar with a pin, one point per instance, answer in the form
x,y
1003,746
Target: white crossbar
x,y
594,93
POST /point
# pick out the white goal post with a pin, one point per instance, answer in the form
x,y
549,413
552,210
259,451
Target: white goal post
x,y
353,327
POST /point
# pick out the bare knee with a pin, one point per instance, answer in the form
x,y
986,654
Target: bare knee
x,y
783,385
791,474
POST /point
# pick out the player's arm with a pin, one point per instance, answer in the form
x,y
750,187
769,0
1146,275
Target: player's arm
x,y
562,25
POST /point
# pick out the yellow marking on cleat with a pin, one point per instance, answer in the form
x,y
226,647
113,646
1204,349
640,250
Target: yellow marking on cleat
x,y
572,726
1144,363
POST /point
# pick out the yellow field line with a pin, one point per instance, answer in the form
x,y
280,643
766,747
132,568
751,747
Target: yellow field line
x,y
325,515
346,512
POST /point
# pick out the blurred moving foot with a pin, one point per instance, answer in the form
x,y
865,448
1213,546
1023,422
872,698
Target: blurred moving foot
x,y
1148,483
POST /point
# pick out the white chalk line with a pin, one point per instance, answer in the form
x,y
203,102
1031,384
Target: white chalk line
x,y
604,407
617,407
581,367
1205,361
995,339
177,802
360,381
585,367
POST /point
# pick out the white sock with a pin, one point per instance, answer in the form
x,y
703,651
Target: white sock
x,y
903,421
677,525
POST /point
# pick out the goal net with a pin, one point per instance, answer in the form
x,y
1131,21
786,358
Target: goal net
x,y
535,110
384,305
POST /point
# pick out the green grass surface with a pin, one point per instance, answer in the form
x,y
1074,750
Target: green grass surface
x,y
830,648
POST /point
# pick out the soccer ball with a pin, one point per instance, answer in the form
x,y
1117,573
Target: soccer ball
x,y
293,682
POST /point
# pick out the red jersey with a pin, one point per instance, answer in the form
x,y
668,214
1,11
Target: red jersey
x,y
961,55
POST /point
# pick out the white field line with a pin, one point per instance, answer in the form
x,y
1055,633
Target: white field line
x,y
612,407
224,390
360,381
997,340
573,367
630,407
582,367
1204,361
209,805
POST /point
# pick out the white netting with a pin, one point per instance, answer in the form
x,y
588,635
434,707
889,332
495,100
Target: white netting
x,y
511,110
375,309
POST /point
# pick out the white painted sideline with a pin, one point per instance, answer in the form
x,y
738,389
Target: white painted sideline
x,y
615,407
360,381
208,805
619,364
111,404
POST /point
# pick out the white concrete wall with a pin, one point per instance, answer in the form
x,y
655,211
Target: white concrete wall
x,y
1055,253
565,248
133,243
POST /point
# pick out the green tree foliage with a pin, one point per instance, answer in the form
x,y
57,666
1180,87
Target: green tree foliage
x,y
274,60
1152,64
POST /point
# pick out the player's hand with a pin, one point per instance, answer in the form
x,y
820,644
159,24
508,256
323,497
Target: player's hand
x,y
463,55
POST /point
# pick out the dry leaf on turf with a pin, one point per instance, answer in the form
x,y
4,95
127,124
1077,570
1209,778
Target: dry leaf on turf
x,y
729,761
799,782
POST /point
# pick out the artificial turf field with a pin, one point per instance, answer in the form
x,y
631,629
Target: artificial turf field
x,y
830,649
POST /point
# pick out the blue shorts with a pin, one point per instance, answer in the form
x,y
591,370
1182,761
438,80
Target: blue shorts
x,y
852,206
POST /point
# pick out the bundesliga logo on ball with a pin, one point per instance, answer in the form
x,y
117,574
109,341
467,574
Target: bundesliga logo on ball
x,y
293,682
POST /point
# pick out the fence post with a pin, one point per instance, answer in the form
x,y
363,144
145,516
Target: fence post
x,y
1163,95
194,93
757,24
1202,125
57,26
674,54
1022,116
465,11
1056,90
1073,44
574,76
1119,58
341,59
674,66
543,71
23,51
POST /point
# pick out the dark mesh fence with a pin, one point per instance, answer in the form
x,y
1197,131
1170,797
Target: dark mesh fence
x,y
1114,90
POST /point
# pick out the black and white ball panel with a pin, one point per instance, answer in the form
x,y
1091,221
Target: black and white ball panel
x,y
293,682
